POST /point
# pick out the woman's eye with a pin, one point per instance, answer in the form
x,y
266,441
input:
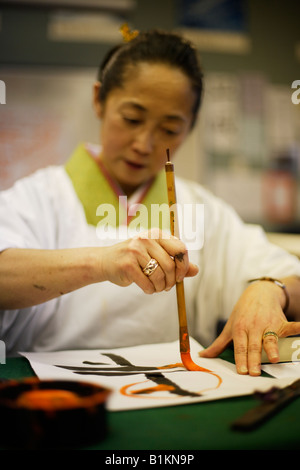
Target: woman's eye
x,y
132,121
171,131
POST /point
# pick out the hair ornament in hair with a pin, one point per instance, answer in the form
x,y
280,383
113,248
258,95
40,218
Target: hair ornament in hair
x,y
127,34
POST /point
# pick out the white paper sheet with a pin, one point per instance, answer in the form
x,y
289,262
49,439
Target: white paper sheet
x,y
138,378
283,370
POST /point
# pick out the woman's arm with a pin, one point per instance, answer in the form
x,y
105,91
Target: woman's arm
x,y
29,276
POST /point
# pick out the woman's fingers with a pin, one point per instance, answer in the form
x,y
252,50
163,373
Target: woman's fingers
x,y
271,335
172,263
217,346
247,353
270,345
177,250
153,261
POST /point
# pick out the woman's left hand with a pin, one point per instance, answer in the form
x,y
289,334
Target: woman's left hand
x,y
258,311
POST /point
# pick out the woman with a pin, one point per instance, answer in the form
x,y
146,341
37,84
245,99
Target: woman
x,y
67,279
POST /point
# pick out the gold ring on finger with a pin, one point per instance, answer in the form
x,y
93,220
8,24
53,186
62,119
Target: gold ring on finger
x,y
270,333
150,267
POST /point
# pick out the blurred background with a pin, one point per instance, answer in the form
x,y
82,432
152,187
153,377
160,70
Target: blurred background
x,y
246,144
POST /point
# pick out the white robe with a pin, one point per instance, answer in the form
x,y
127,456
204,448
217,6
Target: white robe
x,y
43,211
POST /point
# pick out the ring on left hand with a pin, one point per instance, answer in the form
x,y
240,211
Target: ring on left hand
x,y
270,333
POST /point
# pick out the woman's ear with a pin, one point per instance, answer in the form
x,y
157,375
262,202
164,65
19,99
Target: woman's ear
x,y
96,101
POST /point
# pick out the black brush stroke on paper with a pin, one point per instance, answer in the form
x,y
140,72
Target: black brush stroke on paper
x,y
127,368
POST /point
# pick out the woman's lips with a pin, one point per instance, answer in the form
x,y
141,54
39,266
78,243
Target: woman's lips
x,y
135,165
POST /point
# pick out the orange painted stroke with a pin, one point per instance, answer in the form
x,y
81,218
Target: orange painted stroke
x,y
162,388
159,388
171,366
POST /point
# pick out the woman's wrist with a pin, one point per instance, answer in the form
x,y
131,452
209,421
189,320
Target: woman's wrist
x,y
285,298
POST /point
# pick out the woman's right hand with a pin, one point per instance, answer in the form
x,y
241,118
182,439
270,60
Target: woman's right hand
x,y
123,263
38,276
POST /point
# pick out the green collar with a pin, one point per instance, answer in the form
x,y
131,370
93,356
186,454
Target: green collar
x,y
94,189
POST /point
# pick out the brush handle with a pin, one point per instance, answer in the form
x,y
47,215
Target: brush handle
x,y
174,226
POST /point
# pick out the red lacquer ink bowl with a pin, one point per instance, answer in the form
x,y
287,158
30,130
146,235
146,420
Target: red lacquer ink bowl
x,y
37,414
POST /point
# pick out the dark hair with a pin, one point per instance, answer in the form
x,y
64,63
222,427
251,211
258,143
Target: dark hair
x,y
156,47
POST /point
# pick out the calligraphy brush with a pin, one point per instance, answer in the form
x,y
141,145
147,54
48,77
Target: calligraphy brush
x,y
183,328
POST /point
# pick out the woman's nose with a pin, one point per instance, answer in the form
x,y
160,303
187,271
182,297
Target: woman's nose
x,y
144,141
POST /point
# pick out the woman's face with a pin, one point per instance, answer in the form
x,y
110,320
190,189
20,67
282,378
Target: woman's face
x,y
150,113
